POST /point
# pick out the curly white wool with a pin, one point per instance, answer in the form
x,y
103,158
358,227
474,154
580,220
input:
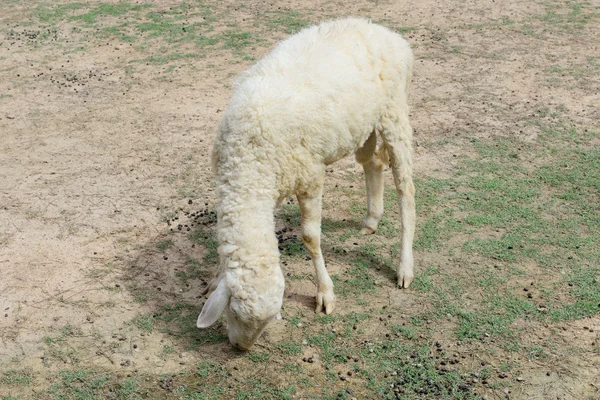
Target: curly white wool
x,y
319,96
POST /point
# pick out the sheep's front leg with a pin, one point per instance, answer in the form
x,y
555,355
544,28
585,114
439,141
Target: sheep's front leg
x,y
310,207
397,135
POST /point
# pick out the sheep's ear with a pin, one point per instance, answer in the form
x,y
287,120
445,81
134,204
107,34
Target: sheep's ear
x,y
214,306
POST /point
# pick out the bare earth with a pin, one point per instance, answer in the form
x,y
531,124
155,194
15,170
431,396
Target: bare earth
x,y
100,146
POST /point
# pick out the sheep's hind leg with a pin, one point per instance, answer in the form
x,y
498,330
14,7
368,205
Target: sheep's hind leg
x,y
373,167
310,207
397,135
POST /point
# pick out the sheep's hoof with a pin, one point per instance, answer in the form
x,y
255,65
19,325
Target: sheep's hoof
x,y
405,278
367,231
325,300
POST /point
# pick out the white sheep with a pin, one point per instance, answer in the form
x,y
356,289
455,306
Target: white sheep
x,y
318,96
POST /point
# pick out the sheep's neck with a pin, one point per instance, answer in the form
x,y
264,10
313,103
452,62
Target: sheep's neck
x,y
246,227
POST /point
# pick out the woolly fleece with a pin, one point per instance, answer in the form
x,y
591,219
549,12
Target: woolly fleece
x,y
316,98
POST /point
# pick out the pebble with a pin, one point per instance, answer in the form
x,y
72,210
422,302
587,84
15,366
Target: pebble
x,y
10,116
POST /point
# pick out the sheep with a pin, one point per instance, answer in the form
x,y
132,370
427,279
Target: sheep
x,y
320,95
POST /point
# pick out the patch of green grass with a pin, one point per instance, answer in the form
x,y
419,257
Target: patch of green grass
x,y
167,58
78,384
258,356
423,281
290,213
295,320
330,346
107,9
289,348
391,364
86,384
195,269
144,321
179,321
405,332
429,196
292,247
57,13
584,290
546,213
205,236
288,21
115,31
163,245
567,17
238,40
536,353
14,377
167,349
208,368
261,388
355,281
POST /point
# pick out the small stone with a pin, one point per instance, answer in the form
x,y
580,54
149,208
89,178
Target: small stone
x,y
10,116
548,373
519,379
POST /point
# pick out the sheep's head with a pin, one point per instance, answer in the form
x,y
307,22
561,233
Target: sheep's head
x,y
247,316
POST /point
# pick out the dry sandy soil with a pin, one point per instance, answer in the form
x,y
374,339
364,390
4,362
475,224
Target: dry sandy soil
x,y
106,134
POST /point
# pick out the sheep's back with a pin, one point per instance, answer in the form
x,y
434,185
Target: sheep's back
x,y
320,93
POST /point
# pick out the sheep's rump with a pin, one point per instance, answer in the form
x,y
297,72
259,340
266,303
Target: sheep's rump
x,y
324,88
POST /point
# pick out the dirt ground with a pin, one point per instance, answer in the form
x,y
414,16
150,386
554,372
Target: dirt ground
x,y
101,143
